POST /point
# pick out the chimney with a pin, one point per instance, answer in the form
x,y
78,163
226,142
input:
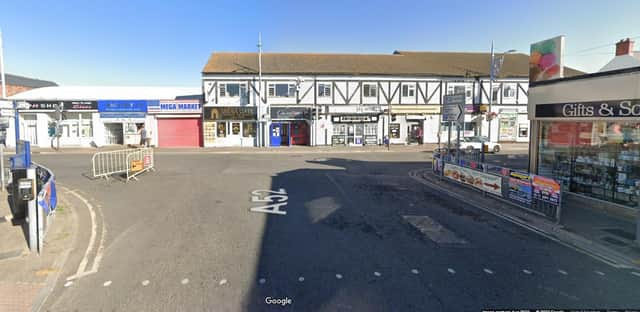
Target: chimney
x,y
624,47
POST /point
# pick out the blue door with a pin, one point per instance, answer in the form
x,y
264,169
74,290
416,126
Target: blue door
x,y
276,134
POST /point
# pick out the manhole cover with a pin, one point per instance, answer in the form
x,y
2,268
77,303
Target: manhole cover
x,y
620,233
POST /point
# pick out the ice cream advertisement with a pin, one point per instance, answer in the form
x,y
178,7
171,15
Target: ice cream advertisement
x,y
545,60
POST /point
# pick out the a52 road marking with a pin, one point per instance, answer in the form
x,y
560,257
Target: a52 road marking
x,y
276,200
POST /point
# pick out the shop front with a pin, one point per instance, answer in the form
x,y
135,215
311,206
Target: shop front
x,y
590,144
121,121
289,126
356,125
414,124
229,126
179,122
76,122
513,125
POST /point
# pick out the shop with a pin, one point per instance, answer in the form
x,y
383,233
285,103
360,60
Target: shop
x,y
229,126
289,126
415,124
587,135
77,120
179,122
121,120
513,125
356,125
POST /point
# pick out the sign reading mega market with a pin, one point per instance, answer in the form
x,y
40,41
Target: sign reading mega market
x,y
595,109
175,107
66,105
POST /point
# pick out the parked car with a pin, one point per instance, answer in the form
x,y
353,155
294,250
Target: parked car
x,y
475,143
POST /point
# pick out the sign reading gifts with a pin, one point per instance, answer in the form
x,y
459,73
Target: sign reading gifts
x,y
486,182
175,107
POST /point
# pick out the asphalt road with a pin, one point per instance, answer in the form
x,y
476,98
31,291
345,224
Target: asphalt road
x,y
183,238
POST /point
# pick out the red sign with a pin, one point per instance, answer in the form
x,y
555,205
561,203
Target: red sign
x,y
147,161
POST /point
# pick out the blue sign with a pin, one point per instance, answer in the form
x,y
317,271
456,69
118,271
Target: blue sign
x,y
22,159
116,106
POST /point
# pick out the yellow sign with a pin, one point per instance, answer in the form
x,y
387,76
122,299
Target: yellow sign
x,y
137,165
484,108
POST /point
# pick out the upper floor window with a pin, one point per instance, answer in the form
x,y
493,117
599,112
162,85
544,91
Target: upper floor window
x,y
324,89
369,90
282,90
233,90
408,90
509,92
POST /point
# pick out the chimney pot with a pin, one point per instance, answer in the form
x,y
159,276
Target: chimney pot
x,y
624,47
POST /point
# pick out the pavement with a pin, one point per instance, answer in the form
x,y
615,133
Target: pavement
x,y
27,278
309,232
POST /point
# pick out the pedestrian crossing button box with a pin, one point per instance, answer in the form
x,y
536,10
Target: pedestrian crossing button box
x,y
26,190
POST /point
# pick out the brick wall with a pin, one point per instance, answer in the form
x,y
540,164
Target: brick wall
x,y
11,89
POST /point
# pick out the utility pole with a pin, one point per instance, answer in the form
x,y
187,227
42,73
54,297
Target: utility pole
x,y
261,123
491,73
4,96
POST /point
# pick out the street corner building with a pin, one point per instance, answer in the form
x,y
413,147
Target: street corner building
x,y
586,133
281,99
99,116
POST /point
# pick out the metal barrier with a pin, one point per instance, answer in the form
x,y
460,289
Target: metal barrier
x,y
139,161
538,194
109,163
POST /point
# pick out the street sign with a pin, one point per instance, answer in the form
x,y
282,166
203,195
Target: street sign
x,y
453,108
4,112
6,104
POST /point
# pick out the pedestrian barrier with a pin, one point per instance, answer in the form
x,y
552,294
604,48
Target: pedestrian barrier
x,y
140,160
46,200
106,164
537,194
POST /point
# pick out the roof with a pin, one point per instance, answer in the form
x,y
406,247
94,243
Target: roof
x,y
15,80
622,61
450,64
105,93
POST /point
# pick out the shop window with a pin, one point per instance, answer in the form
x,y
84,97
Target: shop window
x,y
221,129
86,130
248,129
371,129
408,90
235,128
339,130
395,130
369,90
209,131
282,90
233,90
324,90
523,131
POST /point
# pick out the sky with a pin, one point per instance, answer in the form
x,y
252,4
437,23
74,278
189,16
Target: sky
x,y
167,43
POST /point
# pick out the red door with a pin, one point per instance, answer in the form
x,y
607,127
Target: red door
x,y
299,133
179,132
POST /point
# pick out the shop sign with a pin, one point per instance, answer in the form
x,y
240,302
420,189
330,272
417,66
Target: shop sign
x,y
595,109
175,107
545,189
520,187
123,117
416,109
289,113
230,113
117,106
346,109
486,182
355,118
66,105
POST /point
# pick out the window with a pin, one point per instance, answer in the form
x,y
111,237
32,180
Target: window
x,y
282,90
339,129
233,90
235,128
248,129
221,129
523,131
509,92
408,90
209,131
496,93
369,90
324,90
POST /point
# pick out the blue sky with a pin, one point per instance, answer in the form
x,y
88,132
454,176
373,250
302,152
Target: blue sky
x,y
166,43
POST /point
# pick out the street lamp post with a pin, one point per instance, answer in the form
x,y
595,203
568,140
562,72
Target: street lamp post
x,y
493,71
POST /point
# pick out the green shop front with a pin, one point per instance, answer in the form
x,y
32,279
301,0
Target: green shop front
x,y
586,134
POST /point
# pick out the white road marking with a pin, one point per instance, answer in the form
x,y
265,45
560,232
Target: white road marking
x,y
636,274
222,282
452,271
488,271
262,280
415,271
301,279
527,271
185,281
145,282
67,284
563,272
92,240
599,273
377,274
106,284
339,276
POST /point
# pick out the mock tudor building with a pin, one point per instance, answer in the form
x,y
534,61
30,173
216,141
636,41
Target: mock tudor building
x,y
344,99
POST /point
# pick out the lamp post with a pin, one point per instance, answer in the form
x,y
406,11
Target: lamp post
x,y
493,72
261,126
